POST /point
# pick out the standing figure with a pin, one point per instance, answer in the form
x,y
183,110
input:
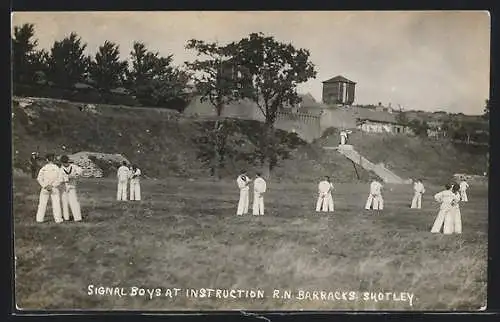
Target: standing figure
x,y
375,199
444,197
325,199
243,182
49,178
70,173
135,184
419,189
34,164
343,137
463,190
259,188
453,218
122,175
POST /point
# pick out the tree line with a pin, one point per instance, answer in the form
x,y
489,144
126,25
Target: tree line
x,y
148,76
258,68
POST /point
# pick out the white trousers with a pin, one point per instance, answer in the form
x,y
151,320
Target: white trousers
x,y
342,140
325,203
375,201
416,202
121,194
452,222
243,202
135,190
56,205
463,196
438,223
258,204
70,200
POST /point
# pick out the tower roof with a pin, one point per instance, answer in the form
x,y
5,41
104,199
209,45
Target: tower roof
x,y
339,79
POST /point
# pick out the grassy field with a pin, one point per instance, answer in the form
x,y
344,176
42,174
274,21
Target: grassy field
x,y
185,234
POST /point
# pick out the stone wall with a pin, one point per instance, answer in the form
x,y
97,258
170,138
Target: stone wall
x,y
92,170
306,126
338,118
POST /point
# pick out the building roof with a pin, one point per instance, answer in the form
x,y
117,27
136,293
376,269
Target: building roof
x,y
364,114
307,99
339,79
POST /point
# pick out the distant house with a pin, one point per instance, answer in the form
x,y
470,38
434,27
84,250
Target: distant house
x,y
379,122
435,129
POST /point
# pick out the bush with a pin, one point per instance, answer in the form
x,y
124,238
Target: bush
x,y
329,132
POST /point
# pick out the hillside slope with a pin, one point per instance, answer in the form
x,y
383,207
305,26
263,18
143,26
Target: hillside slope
x,y
412,157
159,141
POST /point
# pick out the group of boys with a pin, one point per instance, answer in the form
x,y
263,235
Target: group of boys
x,y
59,184
449,215
126,176
259,188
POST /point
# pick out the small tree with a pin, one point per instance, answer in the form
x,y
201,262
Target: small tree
x,y
215,85
107,71
273,71
218,145
67,62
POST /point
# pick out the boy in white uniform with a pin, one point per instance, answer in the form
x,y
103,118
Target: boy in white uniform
x,y
70,173
49,177
135,184
419,190
122,175
243,182
375,198
259,188
446,198
463,190
325,199
453,218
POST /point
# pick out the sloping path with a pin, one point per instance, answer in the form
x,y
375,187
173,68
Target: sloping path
x,y
385,174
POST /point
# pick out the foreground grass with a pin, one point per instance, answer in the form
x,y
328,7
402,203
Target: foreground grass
x,y
185,234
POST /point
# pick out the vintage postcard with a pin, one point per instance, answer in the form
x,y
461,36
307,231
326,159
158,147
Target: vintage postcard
x,y
284,161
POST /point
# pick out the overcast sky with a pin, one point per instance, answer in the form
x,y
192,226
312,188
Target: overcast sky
x,y
421,60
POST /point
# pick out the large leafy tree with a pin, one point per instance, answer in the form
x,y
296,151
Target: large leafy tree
x,y
153,79
215,82
107,70
274,69
67,63
25,57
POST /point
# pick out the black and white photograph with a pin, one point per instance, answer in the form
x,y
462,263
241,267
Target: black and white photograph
x,y
250,160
